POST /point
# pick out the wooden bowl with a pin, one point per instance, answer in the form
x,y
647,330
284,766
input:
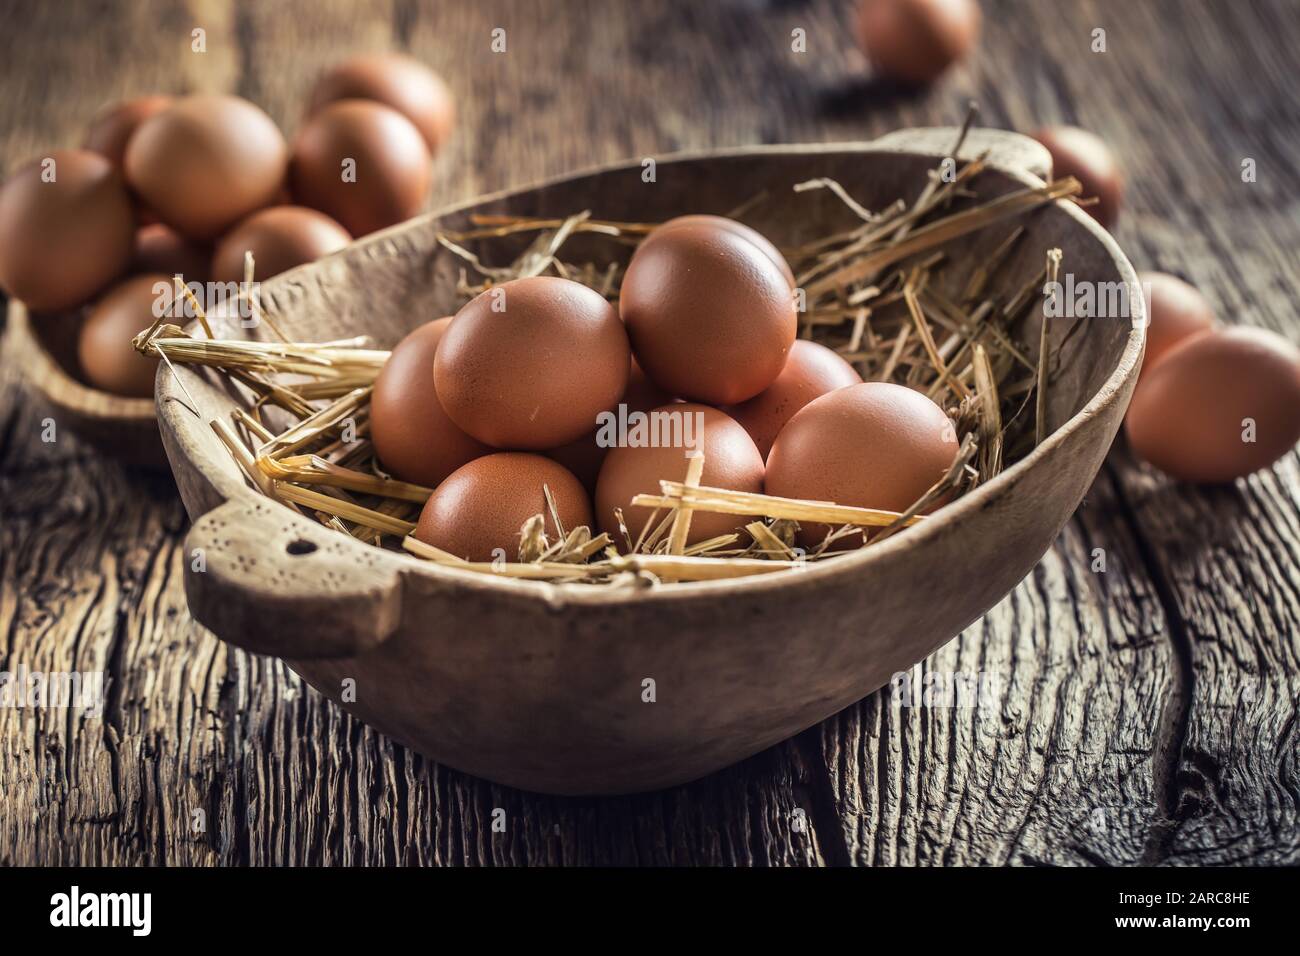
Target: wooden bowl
x,y
123,428
541,686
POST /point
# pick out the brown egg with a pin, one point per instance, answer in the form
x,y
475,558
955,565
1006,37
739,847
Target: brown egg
x,y
482,505
584,456
1175,311
810,371
730,461
104,347
1085,156
914,41
112,127
403,83
160,248
710,314
413,436
873,445
1218,406
741,230
63,240
362,163
206,162
279,238
532,362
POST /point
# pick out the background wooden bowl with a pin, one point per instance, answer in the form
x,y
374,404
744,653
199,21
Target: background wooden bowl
x,y
46,349
540,685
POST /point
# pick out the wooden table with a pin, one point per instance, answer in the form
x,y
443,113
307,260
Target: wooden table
x,y
1145,713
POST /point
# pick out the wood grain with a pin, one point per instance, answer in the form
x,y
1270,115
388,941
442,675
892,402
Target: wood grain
x,y
1161,693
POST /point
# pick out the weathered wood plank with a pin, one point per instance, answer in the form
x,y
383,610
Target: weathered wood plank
x,y
1183,663
1120,692
1059,765
192,726
1225,560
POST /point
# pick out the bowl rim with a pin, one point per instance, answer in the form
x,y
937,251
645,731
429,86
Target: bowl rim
x,y
559,595
62,389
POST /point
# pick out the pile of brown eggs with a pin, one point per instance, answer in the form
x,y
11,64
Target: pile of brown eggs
x,y
542,383
167,186
1212,404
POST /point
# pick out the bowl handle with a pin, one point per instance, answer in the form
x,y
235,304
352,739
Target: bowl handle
x,y
287,586
1006,149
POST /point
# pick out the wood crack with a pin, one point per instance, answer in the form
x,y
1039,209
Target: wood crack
x,y
826,828
1171,732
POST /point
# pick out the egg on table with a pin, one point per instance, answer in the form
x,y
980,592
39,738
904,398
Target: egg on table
x,y
1175,311
1218,406
113,126
66,229
915,41
160,248
398,81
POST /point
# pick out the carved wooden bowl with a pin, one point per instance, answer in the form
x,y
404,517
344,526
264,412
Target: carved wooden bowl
x,y
540,685
45,348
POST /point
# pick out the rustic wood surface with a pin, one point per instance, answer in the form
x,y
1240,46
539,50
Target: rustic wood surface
x,y
1144,713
